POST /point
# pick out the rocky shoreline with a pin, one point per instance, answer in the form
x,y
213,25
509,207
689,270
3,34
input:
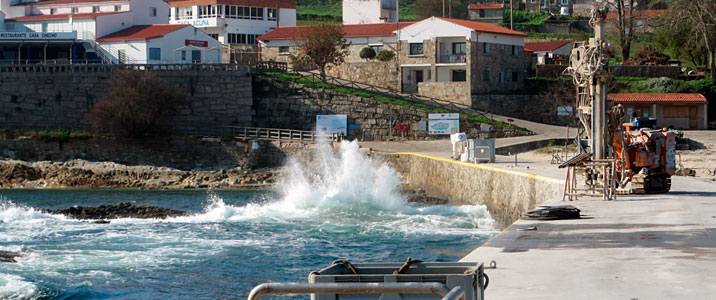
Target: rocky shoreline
x,y
80,173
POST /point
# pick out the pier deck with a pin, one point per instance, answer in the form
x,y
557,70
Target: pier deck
x,y
638,247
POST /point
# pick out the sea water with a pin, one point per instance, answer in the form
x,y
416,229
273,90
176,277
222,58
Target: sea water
x,y
344,206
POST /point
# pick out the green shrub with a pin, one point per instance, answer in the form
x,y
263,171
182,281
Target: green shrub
x,y
385,55
367,53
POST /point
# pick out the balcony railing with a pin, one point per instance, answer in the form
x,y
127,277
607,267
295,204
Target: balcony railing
x,y
452,58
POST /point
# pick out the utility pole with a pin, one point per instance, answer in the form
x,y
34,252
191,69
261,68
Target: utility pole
x,y
511,14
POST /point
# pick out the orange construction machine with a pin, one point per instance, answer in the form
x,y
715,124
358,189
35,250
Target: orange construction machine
x,y
648,158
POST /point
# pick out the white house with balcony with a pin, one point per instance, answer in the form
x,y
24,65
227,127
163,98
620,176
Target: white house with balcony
x,y
70,31
235,23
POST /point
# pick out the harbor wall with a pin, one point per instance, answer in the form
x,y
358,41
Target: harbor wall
x,y
505,193
46,99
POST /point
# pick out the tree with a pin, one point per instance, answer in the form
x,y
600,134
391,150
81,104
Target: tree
x,y
625,10
677,40
367,53
137,102
321,45
700,17
442,8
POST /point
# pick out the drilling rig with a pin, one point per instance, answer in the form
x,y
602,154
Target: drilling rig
x,y
614,158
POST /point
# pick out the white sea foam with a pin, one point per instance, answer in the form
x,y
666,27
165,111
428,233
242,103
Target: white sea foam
x,y
10,212
15,287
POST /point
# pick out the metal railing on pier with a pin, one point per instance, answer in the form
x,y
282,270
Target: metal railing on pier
x,y
93,67
277,134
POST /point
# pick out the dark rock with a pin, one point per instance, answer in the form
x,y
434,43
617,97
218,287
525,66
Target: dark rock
x,y
8,256
122,210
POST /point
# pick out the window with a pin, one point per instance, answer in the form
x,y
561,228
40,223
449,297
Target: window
x,y
183,55
153,11
502,47
376,48
416,48
195,56
533,1
271,14
485,48
515,77
155,54
502,77
515,50
459,75
75,10
283,50
121,56
458,48
214,36
95,9
486,75
241,38
482,13
53,11
117,8
184,13
565,2
44,27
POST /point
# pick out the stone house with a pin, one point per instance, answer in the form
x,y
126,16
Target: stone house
x,y
645,21
550,6
682,111
489,13
438,57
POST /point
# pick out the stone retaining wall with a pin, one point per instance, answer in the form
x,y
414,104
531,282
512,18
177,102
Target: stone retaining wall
x,y
48,100
455,92
536,108
293,106
507,194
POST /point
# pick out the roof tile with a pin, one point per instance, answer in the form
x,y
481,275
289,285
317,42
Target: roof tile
x,y
657,98
485,6
545,46
349,31
142,32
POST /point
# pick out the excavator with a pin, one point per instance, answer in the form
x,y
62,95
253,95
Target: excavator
x,y
615,157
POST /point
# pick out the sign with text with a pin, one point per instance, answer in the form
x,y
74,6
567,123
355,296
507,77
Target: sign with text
x,y
443,123
196,43
332,124
210,22
38,35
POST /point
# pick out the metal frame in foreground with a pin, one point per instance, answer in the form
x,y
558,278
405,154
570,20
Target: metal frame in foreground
x,y
456,293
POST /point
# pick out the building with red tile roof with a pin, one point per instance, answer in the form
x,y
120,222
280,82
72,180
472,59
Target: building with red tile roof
x,y
683,111
100,31
545,46
439,57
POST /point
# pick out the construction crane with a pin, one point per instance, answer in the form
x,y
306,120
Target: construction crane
x,y
613,157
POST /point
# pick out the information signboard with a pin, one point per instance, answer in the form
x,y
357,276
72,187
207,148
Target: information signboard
x,y
332,124
443,123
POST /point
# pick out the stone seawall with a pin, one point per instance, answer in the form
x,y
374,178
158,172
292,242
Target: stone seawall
x,y
48,100
507,194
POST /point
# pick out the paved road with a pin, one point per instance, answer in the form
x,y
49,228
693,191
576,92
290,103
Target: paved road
x,y
638,247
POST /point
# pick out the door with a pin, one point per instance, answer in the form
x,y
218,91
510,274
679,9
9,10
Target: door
x,y
693,117
418,76
195,56
642,111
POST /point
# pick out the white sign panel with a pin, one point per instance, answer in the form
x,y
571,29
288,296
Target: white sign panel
x,y
198,22
332,124
38,35
564,110
443,123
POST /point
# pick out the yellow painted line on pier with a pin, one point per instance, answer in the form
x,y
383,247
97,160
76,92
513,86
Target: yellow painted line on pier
x,y
472,165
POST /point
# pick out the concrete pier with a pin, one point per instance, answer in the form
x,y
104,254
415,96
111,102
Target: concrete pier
x,y
638,247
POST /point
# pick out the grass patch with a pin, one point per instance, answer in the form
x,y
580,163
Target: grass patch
x,y
46,135
315,83
571,147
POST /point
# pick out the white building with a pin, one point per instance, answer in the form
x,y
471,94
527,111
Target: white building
x,y
71,31
370,11
235,23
